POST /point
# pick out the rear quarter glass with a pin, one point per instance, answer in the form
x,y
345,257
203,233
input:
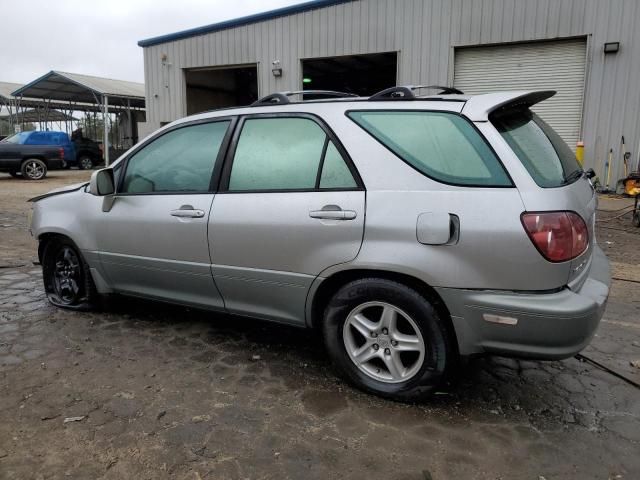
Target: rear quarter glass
x,y
441,145
546,156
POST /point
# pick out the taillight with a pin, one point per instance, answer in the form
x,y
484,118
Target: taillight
x,y
558,236
61,153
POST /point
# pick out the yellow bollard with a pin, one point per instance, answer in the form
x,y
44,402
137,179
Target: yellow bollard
x,y
580,153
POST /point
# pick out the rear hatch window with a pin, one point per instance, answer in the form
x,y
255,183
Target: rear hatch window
x,y
547,157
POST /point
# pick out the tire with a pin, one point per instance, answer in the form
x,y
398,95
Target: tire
x,y
85,162
33,169
66,275
417,326
15,174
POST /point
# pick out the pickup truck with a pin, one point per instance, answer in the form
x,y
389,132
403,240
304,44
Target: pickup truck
x,y
29,160
79,151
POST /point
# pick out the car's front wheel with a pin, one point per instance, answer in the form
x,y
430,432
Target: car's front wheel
x,y
85,162
388,339
33,169
67,279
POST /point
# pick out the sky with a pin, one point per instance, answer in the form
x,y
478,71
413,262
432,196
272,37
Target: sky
x,y
100,37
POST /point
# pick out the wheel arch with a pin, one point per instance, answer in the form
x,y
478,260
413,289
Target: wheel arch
x,y
35,157
320,294
45,237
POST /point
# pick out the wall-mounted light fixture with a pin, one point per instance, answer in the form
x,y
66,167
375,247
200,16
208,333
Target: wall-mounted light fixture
x,y
611,47
276,69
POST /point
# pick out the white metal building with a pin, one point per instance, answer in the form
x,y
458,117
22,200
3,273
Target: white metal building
x,y
586,50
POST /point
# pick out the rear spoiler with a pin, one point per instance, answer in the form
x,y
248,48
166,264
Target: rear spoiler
x,y
479,107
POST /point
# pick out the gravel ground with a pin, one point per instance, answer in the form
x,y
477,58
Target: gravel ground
x,y
146,390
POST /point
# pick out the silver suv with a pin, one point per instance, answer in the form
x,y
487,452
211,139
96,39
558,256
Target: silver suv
x,y
408,230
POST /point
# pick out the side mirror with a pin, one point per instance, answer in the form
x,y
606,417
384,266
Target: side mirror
x,y
102,183
590,173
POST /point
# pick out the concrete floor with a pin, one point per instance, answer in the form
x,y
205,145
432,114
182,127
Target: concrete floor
x,y
165,392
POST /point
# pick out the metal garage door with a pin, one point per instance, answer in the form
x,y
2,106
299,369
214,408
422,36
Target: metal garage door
x,y
558,65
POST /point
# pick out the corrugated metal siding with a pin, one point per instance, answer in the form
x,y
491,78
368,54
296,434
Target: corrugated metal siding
x,y
424,32
558,65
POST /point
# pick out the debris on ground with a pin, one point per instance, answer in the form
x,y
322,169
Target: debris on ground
x,y
200,418
635,363
74,419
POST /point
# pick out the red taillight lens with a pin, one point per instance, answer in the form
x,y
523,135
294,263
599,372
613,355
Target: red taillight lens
x,y
559,236
61,153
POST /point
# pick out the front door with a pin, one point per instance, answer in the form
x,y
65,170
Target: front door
x,y
153,241
290,205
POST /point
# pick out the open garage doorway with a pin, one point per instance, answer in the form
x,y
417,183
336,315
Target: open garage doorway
x,y
218,87
360,74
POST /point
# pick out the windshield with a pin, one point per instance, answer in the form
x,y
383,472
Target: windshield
x,y
544,154
18,138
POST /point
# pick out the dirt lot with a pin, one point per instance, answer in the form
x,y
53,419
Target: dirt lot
x,y
164,392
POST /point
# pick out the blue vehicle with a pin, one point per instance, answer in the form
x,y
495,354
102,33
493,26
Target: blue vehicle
x,y
79,151
59,139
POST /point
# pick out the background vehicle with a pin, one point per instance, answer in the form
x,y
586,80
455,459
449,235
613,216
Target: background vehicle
x,y
478,236
29,159
80,152
88,153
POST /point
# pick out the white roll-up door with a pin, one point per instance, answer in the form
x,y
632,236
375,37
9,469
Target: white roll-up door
x,y
556,65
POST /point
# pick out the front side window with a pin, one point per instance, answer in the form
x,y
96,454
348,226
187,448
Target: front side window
x,y
441,145
275,154
18,138
181,160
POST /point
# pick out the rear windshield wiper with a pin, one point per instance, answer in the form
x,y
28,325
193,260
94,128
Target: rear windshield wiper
x,y
573,176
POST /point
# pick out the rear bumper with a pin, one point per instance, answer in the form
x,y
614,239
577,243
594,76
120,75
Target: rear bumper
x,y
535,325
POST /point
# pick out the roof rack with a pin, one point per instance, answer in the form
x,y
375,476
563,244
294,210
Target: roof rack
x,y
405,92
282,98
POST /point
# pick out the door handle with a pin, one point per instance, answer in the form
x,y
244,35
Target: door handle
x,y
333,212
187,211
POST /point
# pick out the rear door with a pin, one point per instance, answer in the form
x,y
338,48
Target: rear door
x,y
290,205
153,240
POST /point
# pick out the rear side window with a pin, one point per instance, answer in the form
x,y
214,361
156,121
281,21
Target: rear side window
x,y
275,154
547,157
441,145
39,138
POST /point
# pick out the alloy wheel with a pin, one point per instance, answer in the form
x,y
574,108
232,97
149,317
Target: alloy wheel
x,y
34,170
384,342
86,163
66,276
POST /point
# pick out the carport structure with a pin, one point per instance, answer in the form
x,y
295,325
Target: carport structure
x,y
86,93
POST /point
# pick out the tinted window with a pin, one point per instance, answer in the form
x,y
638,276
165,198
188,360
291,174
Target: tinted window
x,y
277,154
548,159
335,173
441,145
18,138
179,161
39,138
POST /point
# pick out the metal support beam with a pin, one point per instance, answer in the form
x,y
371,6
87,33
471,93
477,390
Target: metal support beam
x,y
105,133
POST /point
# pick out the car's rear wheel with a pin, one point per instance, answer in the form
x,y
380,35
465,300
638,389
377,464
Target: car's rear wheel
x,y
67,279
85,162
33,169
388,339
